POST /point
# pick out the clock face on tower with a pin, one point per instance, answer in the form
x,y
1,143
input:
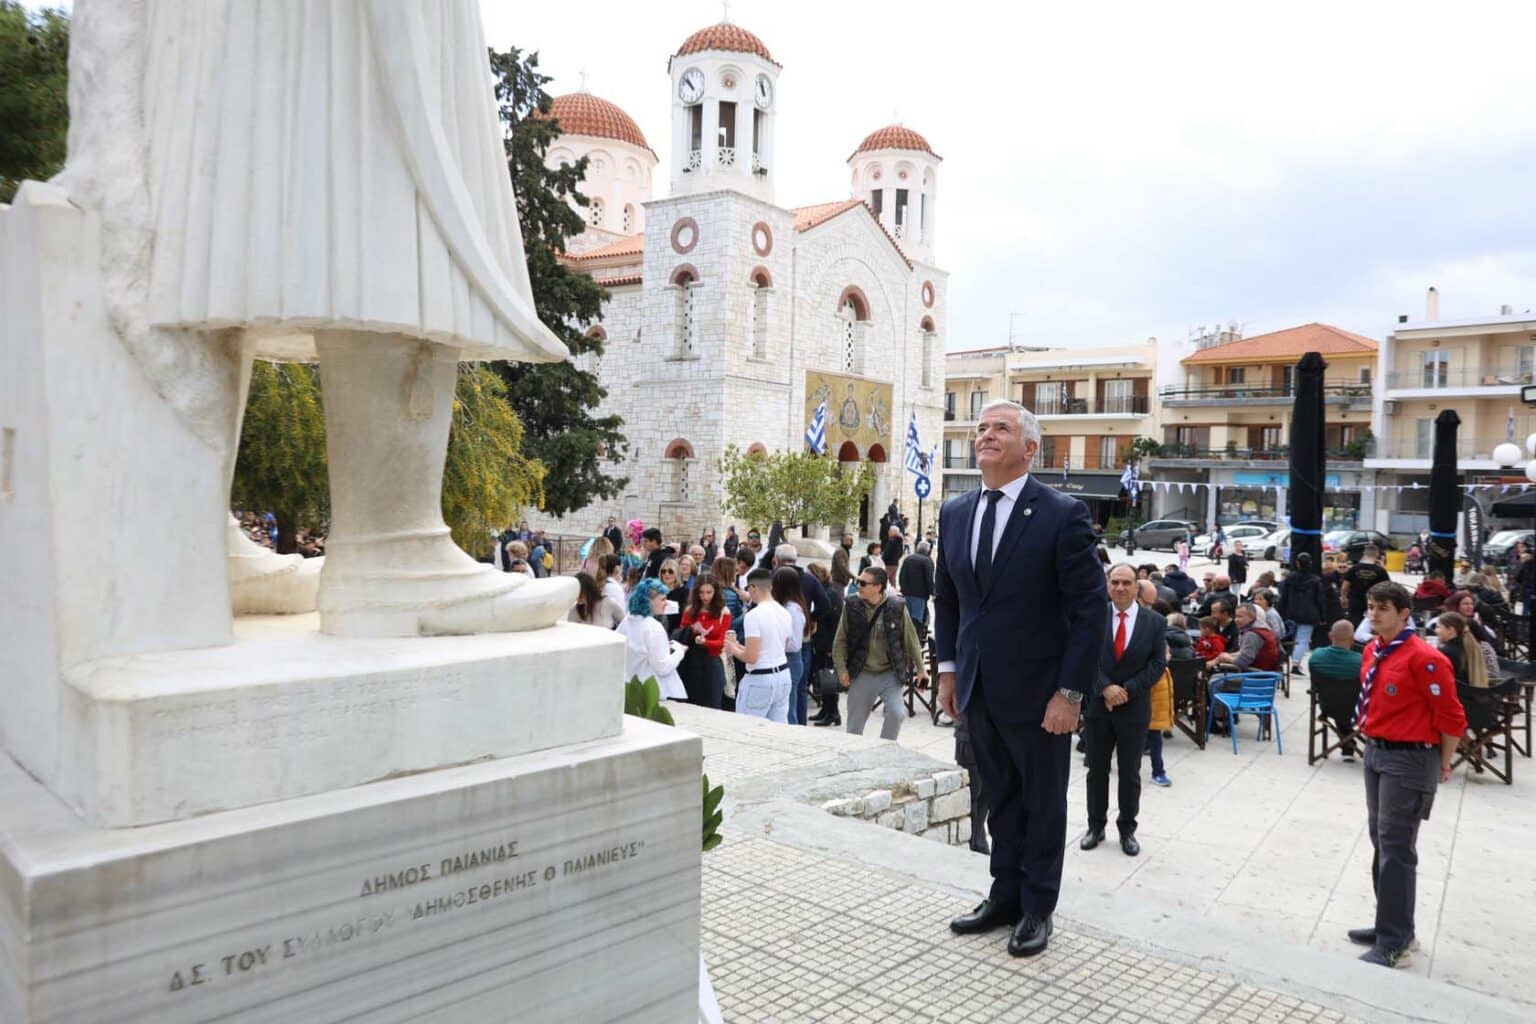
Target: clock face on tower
x,y
691,88
764,92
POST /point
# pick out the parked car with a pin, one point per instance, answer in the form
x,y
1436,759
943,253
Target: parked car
x,y
1351,543
1276,545
1499,546
1159,533
1269,525
1248,533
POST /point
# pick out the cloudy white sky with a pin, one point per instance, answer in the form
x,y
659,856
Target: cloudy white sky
x,y
1119,170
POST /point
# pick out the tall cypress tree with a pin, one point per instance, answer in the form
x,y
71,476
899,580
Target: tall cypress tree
x,y
554,401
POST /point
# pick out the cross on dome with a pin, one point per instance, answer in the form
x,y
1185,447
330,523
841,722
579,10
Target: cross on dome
x,y
583,74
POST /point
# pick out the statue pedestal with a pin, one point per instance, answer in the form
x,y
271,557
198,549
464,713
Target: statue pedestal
x,y
556,886
286,711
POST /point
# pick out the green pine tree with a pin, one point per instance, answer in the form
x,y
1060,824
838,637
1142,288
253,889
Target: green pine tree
x,y
34,94
554,401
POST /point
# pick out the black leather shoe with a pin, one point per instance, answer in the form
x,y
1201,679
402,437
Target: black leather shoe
x,y
984,918
1030,937
1130,845
1093,837
1363,936
826,721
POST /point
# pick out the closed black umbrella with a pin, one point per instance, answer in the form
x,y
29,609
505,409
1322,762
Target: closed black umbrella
x,y
1444,494
1308,467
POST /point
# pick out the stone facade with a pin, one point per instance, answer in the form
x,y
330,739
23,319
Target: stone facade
x,y
935,807
725,304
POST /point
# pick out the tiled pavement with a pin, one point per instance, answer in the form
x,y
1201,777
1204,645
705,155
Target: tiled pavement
x,y
791,935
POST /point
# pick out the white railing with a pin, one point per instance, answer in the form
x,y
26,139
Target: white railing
x,y
727,156
695,159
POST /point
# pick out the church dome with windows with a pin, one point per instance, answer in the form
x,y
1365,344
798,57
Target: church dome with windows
x,y
894,136
581,113
725,37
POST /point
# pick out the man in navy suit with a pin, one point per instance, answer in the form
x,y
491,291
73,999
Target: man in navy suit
x,y
1120,707
1019,623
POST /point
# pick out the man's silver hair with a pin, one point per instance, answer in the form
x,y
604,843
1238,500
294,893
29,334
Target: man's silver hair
x,y
923,547
785,554
1029,427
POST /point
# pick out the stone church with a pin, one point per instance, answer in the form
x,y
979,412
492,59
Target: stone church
x,y
732,317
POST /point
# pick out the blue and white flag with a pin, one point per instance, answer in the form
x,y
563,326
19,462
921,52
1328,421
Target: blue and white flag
x,y
1130,481
914,448
816,433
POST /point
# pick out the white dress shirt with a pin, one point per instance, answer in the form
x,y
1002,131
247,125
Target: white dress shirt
x,y
1004,509
1000,514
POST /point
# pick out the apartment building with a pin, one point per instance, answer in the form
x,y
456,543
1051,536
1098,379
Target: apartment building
x,y
1226,425
1091,403
1476,367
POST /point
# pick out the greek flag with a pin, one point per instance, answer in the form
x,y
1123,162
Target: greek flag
x,y
1130,481
914,448
816,433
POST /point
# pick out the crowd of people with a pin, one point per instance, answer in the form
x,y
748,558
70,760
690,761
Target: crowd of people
x,y
742,625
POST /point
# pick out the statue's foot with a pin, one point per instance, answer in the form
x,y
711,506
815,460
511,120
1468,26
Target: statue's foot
x,y
263,582
425,586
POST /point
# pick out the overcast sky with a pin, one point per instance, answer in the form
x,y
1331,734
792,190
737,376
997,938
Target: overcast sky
x,y
1113,171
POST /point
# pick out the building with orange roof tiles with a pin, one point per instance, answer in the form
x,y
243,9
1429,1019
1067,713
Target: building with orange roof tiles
x,y
731,318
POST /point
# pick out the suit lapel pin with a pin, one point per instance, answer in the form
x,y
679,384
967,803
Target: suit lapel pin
x,y
1028,512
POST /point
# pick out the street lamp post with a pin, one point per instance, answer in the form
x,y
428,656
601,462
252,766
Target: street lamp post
x,y
1510,456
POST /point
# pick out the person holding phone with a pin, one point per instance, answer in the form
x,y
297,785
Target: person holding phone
x,y
647,652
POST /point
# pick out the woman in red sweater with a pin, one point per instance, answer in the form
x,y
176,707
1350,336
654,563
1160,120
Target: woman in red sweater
x,y
708,620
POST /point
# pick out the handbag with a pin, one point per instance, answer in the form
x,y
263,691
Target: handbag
x,y
827,683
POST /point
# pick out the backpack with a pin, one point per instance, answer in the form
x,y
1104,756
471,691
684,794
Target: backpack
x,y
549,560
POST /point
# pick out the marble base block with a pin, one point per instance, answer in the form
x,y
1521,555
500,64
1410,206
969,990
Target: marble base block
x,y
556,886
286,711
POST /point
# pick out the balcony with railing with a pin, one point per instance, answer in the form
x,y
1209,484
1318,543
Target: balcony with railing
x,y
1471,452
1236,453
966,461
1260,394
1440,376
1114,405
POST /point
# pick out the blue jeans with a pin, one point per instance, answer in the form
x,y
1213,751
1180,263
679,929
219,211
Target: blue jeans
x,y
917,607
799,696
1155,751
1303,643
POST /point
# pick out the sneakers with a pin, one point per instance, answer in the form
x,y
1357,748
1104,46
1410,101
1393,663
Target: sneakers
x,y
1161,779
1386,957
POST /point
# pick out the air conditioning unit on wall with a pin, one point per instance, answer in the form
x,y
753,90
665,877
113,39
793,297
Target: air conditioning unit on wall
x,y
1389,408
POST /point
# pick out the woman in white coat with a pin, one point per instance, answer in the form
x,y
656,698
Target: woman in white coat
x,y
649,652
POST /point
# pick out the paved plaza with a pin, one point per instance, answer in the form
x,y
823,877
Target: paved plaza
x,y
1252,868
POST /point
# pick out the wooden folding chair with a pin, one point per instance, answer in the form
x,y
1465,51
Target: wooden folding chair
x,y
1333,700
1490,729
1189,698
1524,675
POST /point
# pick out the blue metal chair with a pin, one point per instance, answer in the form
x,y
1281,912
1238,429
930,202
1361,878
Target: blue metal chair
x,y
1257,697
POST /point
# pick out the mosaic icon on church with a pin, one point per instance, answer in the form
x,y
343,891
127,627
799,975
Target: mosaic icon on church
x,y
848,414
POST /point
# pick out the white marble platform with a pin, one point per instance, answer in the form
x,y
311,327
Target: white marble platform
x,y
286,711
564,884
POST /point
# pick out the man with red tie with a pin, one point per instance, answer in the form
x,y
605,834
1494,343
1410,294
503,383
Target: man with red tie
x,y
1118,710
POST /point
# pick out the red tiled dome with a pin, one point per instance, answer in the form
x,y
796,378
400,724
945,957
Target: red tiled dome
x,y
894,136
581,113
728,37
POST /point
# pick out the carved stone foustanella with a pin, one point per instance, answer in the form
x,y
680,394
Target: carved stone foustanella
x,y
315,181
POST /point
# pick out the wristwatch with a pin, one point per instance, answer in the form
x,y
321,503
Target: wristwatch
x,y
1075,696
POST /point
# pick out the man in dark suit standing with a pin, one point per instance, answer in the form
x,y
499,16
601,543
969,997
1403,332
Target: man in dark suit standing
x,y
1018,623
1120,707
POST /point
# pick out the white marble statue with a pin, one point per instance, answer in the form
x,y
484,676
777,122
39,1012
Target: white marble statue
x,y
316,179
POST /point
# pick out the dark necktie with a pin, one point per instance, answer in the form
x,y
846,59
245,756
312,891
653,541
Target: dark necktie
x,y
984,543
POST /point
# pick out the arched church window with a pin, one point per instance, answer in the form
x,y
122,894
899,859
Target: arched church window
x,y
930,342
685,312
679,454
852,363
629,218
757,313
595,213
